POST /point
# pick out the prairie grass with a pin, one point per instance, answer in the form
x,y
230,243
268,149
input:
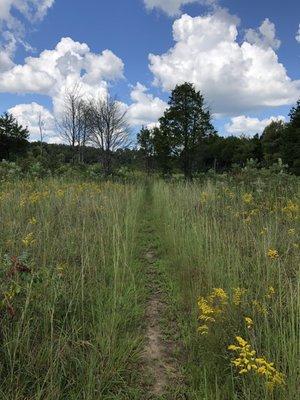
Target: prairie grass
x,y
74,289
234,248
71,290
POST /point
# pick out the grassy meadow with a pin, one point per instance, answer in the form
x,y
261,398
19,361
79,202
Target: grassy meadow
x,y
70,290
231,255
74,287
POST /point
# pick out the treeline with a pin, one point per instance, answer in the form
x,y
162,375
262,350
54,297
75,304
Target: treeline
x,y
96,133
185,139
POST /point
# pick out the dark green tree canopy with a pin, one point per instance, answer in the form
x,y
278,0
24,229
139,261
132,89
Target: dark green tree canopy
x,y
10,127
272,141
187,119
13,137
295,116
186,122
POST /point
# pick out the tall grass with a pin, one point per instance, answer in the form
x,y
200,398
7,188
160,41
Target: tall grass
x,y
219,235
71,291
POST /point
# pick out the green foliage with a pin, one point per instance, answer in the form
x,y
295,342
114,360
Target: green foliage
x,y
272,141
71,290
146,146
228,235
13,137
10,171
185,141
185,124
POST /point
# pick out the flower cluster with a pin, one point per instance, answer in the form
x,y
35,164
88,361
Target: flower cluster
x,y
273,254
248,198
238,295
29,240
210,308
248,362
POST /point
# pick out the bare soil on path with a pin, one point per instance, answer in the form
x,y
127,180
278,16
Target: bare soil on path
x,y
158,353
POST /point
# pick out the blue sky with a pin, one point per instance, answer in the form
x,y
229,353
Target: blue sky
x,y
243,56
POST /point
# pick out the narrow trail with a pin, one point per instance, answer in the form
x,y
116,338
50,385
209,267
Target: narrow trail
x,y
160,367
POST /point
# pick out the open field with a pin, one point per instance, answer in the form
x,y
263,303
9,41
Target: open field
x,y
95,277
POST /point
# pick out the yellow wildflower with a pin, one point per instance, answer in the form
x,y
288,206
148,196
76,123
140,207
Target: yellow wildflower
x,y
29,240
32,221
260,308
203,329
247,361
220,294
211,308
270,292
273,254
238,294
264,231
249,322
60,193
248,198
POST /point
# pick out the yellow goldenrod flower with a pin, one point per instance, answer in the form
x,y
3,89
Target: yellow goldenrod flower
x,y
246,362
249,322
270,292
292,231
211,307
260,308
238,294
203,329
32,221
29,240
248,198
264,231
273,254
60,193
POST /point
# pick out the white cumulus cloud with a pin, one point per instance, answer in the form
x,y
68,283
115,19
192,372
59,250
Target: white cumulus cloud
x,y
12,27
250,126
29,116
145,109
53,71
31,9
298,35
234,77
264,36
174,7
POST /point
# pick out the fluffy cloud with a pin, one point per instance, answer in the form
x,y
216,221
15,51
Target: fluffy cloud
x,y
31,9
234,77
55,70
146,109
174,7
265,36
249,126
52,73
12,28
298,35
30,114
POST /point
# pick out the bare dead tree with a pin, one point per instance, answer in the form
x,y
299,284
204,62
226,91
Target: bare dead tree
x,y
41,125
74,123
85,126
110,129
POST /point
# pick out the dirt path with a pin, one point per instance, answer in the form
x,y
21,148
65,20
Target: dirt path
x,y
158,351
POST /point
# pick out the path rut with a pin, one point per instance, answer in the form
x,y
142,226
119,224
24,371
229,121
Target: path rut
x,y
157,353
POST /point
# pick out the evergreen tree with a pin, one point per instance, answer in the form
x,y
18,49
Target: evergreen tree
x,y
13,137
291,141
185,124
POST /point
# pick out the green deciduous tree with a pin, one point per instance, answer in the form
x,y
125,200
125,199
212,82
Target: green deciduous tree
x,y
146,146
271,139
